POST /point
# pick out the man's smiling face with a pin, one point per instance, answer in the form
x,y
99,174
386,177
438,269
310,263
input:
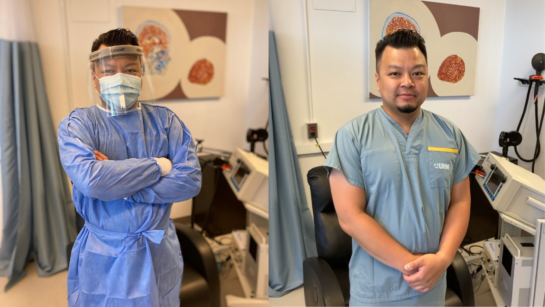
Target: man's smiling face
x,y
402,79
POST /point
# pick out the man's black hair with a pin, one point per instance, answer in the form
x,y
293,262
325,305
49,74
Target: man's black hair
x,y
400,39
115,37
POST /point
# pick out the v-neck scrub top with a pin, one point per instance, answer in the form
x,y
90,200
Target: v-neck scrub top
x,y
408,180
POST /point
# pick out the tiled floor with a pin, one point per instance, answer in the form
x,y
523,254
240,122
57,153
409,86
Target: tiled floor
x,y
33,290
483,297
294,298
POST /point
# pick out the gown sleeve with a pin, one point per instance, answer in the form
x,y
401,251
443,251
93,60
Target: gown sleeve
x,y
104,180
184,181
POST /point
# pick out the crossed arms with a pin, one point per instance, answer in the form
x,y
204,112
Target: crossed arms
x,y
420,271
137,180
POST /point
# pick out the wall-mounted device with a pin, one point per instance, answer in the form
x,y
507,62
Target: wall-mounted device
x,y
256,135
508,139
312,130
538,63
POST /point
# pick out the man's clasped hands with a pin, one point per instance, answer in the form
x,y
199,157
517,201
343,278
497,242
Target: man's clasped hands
x,y
425,270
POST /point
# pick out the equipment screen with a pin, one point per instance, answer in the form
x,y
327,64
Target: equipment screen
x,y
495,180
507,260
253,248
241,173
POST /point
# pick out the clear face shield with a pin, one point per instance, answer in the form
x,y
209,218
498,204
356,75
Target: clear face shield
x,y
117,77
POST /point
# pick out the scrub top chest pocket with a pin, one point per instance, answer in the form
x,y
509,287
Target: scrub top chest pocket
x,y
381,169
441,166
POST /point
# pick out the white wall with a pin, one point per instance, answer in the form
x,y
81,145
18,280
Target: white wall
x,y
66,29
521,43
337,57
49,25
257,111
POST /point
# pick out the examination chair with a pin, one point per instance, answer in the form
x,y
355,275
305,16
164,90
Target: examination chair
x,y
325,278
200,283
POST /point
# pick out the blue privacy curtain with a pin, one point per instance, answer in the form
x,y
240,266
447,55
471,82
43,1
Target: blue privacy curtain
x,y
291,230
38,215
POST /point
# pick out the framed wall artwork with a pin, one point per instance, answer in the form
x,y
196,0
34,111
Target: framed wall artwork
x,y
184,51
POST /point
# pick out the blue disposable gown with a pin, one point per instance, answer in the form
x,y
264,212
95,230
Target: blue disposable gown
x,y
128,252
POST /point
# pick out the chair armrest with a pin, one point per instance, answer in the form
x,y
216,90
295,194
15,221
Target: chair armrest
x,y
198,254
320,284
459,280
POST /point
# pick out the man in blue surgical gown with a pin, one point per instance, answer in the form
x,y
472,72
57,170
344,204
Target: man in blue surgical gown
x,y
128,163
399,180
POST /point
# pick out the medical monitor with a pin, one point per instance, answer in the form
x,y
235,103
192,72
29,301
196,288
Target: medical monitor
x,y
494,181
239,177
483,219
513,190
249,179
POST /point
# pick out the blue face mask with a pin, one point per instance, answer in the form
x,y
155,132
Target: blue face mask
x,y
120,91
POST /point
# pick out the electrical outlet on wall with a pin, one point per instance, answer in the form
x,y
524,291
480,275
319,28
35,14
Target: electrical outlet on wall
x,y
312,130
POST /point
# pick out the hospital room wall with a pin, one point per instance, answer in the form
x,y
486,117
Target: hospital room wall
x,y
257,110
337,74
523,38
65,30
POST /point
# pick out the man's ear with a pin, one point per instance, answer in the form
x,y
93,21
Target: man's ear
x,y
377,80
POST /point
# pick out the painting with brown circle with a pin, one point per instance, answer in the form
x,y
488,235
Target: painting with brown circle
x,y
185,51
201,72
397,23
451,33
452,69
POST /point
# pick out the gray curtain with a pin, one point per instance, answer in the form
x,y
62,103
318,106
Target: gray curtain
x,y
291,230
38,214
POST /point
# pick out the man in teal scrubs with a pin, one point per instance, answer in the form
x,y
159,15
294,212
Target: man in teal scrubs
x,y
399,179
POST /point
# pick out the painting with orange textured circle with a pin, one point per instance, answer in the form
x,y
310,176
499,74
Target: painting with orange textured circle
x,y
201,72
452,69
399,21
451,35
184,51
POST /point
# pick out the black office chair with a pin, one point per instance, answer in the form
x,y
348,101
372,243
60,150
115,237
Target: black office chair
x,y
325,278
200,282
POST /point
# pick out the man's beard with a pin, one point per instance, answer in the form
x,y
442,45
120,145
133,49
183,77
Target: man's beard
x,y
407,109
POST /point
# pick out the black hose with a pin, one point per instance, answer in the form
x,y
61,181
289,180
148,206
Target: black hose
x,y
539,122
538,133
522,118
